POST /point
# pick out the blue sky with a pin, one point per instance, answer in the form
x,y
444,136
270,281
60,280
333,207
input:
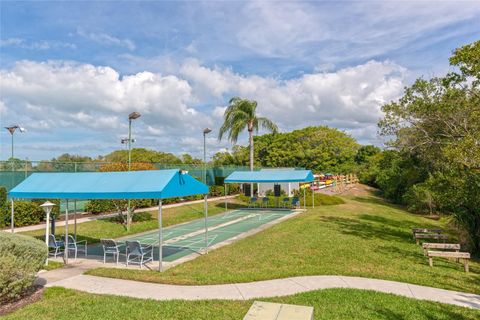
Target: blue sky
x,y
70,72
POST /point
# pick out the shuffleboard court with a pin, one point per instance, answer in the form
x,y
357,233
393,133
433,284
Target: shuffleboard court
x,y
185,239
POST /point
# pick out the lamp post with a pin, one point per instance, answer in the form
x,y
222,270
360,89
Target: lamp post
x,y
12,129
131,116
47,208
205,132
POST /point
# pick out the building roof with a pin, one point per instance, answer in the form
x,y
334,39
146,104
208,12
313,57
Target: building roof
x,y
270,176
152,184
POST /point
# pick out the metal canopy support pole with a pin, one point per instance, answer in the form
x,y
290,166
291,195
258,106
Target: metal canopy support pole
x,y
46,234
160,237
225,185
66,234
304,199
206,224
12,218
75,218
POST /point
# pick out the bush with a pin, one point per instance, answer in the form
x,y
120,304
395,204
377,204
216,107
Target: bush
x,y
100,206
141,216
3,206
27,213
136,217
20,259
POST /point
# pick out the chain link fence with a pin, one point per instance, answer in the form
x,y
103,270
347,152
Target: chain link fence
x,y
14,172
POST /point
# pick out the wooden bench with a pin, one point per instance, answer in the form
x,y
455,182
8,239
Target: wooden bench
x,y
435,236
444,246
424,230
446,254
277,311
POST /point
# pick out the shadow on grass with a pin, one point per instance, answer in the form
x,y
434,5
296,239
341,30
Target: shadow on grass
x,y
367,230
404,224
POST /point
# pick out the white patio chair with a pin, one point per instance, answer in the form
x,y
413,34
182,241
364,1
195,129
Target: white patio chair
x,y
110,246
140,254
55,247
76,246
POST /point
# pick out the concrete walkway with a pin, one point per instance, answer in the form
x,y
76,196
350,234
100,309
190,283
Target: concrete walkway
x,y
104,216
72,279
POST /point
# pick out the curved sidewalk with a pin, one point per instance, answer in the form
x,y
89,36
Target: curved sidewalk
x,y
260,289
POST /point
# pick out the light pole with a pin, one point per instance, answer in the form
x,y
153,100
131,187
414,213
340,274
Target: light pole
x,y
131,116
205,132
12,129
47,207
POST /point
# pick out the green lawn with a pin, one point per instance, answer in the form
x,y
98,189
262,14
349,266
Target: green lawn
x,y
59,304
363,237
93,231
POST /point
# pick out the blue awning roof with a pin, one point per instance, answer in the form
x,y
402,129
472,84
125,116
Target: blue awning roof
x,y
270,176
152,184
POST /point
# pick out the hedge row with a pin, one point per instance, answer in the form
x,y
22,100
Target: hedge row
x,y
30,213
21,257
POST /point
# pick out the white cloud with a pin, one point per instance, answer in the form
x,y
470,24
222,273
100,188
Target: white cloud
x,y
71,99
347,98
106,39
362,30
36,45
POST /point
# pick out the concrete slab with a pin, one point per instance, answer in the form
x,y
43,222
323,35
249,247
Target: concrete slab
x,y
293,312
263,311
276,311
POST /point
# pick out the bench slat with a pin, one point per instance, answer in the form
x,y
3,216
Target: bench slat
x,y
424,230
447,254
430,245
430,236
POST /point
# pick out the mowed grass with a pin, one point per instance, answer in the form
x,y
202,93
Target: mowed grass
x,y
65,304
93,231
364,237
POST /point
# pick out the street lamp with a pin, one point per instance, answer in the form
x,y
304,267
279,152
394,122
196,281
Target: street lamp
x,y
12,129
47,207
205,132
131,116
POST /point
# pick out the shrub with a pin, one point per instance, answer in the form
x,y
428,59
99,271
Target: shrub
x,y
136,217
3,206
20,259
99,206
27,213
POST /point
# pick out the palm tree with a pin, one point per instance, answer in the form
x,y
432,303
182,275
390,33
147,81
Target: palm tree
x,y
241,114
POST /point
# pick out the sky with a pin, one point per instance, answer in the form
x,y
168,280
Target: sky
x,y
72,71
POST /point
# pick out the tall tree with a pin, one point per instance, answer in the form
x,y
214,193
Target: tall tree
x,y
241,114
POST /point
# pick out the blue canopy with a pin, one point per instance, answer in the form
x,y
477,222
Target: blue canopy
x,y
152,184
270,176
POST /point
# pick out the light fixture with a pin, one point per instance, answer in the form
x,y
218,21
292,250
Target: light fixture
x,y
11,129
207,130
134,115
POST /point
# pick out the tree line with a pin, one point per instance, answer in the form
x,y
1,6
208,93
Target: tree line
x,y
432,164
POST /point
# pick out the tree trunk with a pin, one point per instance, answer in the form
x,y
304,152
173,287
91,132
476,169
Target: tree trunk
x,y
250,132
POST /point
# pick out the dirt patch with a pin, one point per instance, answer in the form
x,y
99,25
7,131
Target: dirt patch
x,y
33,295
356,190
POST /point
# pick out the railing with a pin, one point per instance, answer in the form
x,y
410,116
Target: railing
x,y
14,172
